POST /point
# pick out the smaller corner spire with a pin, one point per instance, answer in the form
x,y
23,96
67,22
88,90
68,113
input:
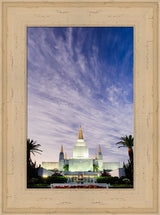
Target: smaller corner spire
x,y
65,157
80,136
99,150
96,156
61,148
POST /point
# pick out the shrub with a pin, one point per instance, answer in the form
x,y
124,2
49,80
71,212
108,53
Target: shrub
x,y
56,173
115,180
122,180
56,179
42,180
105,173
106,180
110,180
33,181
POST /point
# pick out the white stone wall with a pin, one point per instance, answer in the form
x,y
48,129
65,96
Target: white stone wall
x,y
50,165
100,165
76,165
111,165
80,152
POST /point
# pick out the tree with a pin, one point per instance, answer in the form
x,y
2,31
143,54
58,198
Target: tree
x,y
127,142
32,148
95,168
128,170
66,168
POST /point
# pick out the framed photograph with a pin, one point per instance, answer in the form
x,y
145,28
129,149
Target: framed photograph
x,y
57,60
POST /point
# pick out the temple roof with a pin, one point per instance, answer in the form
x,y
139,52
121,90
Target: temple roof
x,y
80,133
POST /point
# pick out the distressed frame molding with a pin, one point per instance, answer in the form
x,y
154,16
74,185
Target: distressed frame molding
x,y
144,17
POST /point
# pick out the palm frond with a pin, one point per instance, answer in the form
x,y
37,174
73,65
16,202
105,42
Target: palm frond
x,y
121,146
126,141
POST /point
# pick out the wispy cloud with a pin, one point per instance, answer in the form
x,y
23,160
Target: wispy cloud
x,y
72,83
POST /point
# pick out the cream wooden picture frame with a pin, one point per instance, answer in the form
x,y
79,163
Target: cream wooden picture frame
x,y
144,17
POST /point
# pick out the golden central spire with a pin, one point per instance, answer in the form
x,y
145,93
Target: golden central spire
x,y
61,148
80,133
99,150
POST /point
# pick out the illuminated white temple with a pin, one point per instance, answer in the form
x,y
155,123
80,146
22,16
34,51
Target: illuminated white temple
x,y
81,162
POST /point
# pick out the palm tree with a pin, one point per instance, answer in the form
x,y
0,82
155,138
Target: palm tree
x,y
127,142
128,170
32,147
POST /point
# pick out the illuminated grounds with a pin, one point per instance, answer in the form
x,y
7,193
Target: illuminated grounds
x,y
80,170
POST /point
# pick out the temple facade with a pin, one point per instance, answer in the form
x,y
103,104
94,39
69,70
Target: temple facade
x,y
81,162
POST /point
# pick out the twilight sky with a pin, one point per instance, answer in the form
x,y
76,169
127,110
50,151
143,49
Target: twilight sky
x,y
80,76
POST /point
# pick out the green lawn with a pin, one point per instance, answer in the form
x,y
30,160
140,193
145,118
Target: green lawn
x,y
38,186
121,186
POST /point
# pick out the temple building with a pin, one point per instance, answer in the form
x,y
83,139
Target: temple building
x,y
81,162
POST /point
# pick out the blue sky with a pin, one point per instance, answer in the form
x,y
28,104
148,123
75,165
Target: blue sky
x,y
80,76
